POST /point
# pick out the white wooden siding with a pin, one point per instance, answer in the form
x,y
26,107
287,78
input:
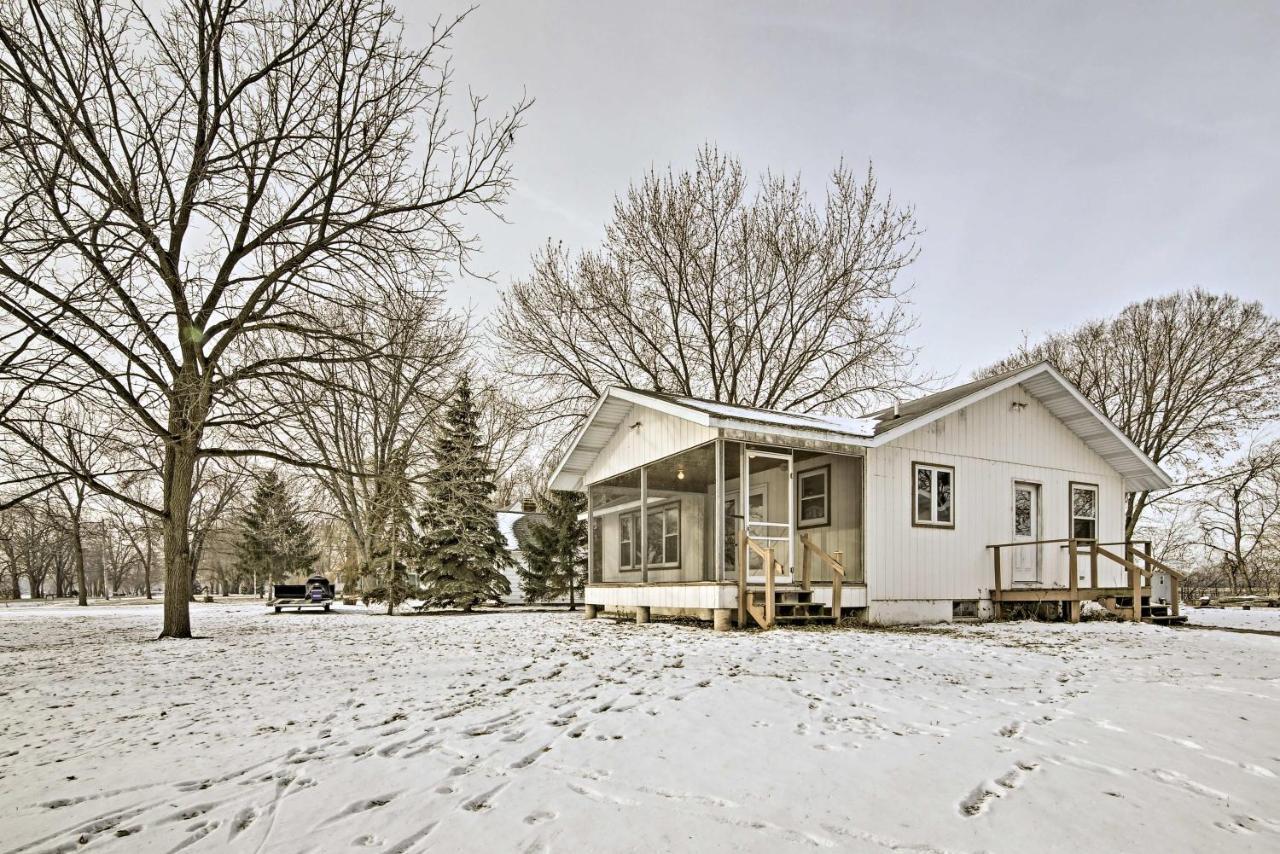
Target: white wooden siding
x,y
659,435
991,444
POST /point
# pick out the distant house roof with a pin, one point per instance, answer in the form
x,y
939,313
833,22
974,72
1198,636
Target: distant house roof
x,y
514,526
1041,380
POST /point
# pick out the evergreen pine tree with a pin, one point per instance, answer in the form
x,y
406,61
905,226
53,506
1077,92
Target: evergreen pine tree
x,y
462,552
555,549
392,583
275,542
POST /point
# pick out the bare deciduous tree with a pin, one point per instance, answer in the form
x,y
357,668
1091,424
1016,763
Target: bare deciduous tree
x,y
363,420
1240,516
179,184
1182,375
706,287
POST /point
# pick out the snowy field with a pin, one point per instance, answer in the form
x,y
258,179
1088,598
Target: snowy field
x,y
545,732
1267,619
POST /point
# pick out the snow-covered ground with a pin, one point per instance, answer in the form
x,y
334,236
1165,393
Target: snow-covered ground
x,y
538,732
1235,618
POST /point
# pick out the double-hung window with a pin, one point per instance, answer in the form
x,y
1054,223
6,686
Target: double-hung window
x,y
933,502
1084,511
663,536
813,497
629,541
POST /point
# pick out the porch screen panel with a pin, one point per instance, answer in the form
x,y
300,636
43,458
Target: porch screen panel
x,y
678,520
829,513
614,507
731,471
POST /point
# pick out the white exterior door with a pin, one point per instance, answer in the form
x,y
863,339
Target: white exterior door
x,y
1026,527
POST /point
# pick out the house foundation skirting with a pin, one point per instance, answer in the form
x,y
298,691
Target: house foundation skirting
x,y
697,596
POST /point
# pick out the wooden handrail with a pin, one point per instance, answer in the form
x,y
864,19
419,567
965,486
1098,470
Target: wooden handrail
x,y
1128,564
836,566
1159,564
766,555
837,571
1063,540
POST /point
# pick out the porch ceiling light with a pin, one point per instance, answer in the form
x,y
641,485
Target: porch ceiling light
x,y
680,472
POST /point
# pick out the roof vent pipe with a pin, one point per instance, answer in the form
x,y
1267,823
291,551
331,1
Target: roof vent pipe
x,y
895,409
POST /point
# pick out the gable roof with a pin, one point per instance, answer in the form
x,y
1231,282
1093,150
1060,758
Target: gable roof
x,y
1057,394
713,413
1042,381
922,407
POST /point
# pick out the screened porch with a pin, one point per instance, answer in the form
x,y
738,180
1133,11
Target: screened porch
x,y
696,517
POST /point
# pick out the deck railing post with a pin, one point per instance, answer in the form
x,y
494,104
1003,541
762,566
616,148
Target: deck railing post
x,y
996,604
1073,607
837,587
1174,594
1093,564
1135,585
1073,582
1072,558
769,604
804,563
742,577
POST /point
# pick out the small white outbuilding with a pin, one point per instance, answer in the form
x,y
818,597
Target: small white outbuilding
x,y
1001,493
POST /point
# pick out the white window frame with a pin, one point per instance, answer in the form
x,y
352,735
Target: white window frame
x,y
633,546
824,472
1072,488
661,511
932,520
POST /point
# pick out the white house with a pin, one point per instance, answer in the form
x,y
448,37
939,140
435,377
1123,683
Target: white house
x,y
976,499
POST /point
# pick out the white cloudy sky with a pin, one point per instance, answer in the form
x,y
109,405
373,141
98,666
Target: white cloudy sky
x,y
1064,158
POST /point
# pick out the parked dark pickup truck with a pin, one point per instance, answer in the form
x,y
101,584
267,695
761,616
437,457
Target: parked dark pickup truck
x,y
316,593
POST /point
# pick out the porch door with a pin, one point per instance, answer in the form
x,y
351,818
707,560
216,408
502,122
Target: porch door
x,y
1026,527
774,527
756,503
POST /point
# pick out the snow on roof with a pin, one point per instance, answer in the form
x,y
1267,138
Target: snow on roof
x,y
861,427
1040,380
507,525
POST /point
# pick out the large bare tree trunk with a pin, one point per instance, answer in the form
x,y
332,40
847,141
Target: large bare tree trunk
x,y
179,474
77,547
146,565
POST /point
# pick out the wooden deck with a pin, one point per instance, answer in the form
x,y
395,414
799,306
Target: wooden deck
x,y
1139,565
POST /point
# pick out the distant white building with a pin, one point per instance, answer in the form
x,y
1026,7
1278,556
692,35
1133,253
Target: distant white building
x,y
513,523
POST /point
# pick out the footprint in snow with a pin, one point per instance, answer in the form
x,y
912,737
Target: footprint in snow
x,y
1247,824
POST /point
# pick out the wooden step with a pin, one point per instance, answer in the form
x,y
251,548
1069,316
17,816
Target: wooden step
x,y
813,620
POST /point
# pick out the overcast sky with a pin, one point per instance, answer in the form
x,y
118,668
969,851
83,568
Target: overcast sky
x,y
1063,158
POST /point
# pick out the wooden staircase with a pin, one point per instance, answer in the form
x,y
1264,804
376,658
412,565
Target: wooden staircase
x,y
1160,613
791,607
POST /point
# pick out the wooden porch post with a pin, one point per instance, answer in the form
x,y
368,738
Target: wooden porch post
x,y
769,605
1093,564
1135,585
644,525
1175,594
1073,607
742,576
717,571
804,563
997,605
837,587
